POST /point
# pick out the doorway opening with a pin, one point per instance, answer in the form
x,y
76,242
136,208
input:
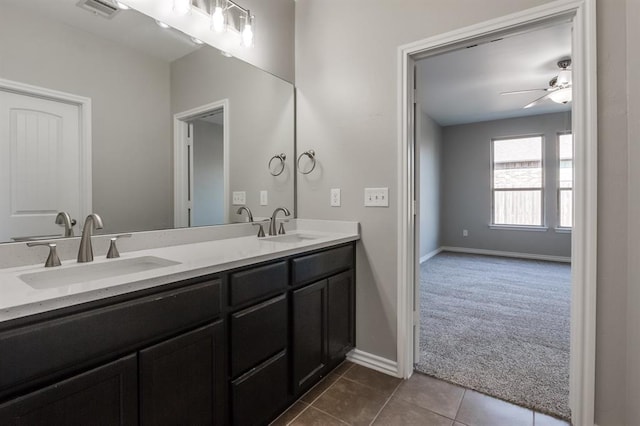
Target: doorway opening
x,y
201,159
494,287
581,15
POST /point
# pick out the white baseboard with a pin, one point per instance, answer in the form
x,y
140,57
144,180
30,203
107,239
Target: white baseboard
x,y
507,254
430,255
374,362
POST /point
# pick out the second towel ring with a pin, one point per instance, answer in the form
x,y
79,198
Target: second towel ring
x,y
312,156
280,157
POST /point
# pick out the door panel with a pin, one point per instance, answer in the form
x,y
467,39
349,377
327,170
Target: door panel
x,y
39,164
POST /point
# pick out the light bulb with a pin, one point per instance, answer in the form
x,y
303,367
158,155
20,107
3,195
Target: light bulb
x,y
247,32
564,78
217,20
561,96
182,7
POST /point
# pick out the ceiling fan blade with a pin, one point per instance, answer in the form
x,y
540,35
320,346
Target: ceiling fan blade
x,y
537,101
515,92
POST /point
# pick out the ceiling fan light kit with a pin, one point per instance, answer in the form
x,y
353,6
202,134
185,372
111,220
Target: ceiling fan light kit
x,y
559,89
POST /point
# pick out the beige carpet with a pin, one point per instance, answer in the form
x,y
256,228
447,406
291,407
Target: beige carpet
x,y
499,326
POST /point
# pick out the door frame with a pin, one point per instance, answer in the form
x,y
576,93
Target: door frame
x,y
84,120
181,196
584,233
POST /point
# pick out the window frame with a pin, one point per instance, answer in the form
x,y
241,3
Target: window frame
x,y
543,219
559,228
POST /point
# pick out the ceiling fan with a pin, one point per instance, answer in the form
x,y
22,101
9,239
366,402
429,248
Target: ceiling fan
x,y
559,89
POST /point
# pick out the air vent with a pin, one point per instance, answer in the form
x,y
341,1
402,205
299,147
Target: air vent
x,y
105,8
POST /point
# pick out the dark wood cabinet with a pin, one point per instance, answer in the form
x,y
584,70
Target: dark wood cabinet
x,y
107,395
235,347
340,315
309,334
182,379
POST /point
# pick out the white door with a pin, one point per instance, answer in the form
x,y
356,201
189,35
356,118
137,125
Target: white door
x,y
39,164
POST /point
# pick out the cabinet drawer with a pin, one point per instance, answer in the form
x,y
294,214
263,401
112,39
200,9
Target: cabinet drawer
x,y
257,333
319,265
51,349
259,395
257,282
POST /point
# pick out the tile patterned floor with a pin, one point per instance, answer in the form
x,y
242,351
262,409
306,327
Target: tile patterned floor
x,y
355,395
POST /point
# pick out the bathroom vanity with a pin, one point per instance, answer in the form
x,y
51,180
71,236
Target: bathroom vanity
x,y
219,337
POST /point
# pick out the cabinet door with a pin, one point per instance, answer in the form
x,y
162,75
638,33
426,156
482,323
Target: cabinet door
x,y
258,396
309,334
182,380
107,395
341,310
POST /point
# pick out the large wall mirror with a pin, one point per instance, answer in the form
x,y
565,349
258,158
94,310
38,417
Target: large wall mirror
x,y
137,123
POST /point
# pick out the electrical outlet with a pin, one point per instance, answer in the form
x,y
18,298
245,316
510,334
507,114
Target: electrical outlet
x,y
239,198
465,233
376,197
264,198
335,197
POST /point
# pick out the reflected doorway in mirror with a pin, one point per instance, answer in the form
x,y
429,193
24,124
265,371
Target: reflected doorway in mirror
x,y
45,160
201,165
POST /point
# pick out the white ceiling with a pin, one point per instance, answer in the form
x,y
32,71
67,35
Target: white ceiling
x,y
464,86
127,27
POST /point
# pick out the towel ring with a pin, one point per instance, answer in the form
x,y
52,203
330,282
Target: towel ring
x,y
312,156
280,157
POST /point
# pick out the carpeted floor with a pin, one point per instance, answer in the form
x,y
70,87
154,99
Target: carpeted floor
x,y
498,325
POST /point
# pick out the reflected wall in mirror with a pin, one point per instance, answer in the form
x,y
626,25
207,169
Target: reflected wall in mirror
x,y
141,83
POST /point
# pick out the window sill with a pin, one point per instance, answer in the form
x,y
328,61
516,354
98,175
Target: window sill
x,y
519,228
563,230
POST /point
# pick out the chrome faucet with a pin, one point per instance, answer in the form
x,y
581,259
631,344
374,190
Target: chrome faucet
x,y
272,223
246,209
85,253
63,218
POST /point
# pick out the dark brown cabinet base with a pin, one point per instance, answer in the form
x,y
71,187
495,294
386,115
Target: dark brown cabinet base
x,y
234,348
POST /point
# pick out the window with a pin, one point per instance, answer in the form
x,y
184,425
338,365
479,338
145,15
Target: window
x,y
517,181
565,184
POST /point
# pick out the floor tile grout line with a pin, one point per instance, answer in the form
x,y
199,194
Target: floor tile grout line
x,y
455,417
299,414
331,415
385,403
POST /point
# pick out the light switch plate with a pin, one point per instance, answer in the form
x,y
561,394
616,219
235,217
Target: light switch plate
x,y
376,197
264,198
335,197
239,198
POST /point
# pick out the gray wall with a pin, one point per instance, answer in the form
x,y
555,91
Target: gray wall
x,y
130,139
466,186
633,297
346,76
429,160
260,121
208,174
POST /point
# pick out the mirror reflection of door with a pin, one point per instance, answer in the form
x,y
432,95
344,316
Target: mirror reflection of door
x,y
207,169
39,169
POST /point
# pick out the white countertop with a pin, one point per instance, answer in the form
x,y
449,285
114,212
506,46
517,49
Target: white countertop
x,y
18,299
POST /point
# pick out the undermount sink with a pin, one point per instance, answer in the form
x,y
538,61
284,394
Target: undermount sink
x,y
52,278
291,238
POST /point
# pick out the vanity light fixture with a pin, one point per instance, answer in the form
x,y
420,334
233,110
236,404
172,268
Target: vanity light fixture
x,y
182,7
228,16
